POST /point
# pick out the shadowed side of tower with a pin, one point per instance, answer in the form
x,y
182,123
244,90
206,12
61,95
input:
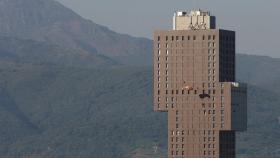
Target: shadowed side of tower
x,y
194,81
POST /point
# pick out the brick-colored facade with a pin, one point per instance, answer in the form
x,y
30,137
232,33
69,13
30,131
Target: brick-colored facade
x,y
194,81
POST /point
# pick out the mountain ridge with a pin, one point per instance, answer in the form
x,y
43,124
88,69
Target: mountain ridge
x,y
50,21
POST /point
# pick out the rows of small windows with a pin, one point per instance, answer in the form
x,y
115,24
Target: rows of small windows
x,y
189,37
208,146
182,92
205,112
211,45
211,56
177,153
209,153
192,132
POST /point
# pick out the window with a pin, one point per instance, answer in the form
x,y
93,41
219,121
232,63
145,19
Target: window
x,y
158,52
158,38
194,38
213,98
167,52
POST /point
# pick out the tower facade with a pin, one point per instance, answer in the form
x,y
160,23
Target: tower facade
x,y
194,82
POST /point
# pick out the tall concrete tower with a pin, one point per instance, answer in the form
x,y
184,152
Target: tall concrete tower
x,y
194,81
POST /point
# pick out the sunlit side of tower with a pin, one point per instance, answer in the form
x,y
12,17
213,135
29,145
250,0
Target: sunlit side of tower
x,y
194,81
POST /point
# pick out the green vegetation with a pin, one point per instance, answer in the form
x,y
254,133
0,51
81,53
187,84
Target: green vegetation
x,y
57,111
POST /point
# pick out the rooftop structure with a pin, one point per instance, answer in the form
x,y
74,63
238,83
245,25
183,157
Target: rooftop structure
x,y
193,20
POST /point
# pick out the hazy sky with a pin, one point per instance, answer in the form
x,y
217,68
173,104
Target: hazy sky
x,y
257,22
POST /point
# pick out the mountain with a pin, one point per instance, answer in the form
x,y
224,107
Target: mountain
x,y
80,112
57,111
51,22
35,52
262,71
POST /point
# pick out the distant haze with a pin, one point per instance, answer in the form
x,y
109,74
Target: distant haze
x,y
256,21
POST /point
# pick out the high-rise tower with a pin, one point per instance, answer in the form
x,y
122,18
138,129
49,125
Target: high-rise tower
x,y
194,81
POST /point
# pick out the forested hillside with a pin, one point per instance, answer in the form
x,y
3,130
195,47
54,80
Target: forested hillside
x,y
53,111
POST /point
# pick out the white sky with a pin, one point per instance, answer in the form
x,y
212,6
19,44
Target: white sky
x,y
256,22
